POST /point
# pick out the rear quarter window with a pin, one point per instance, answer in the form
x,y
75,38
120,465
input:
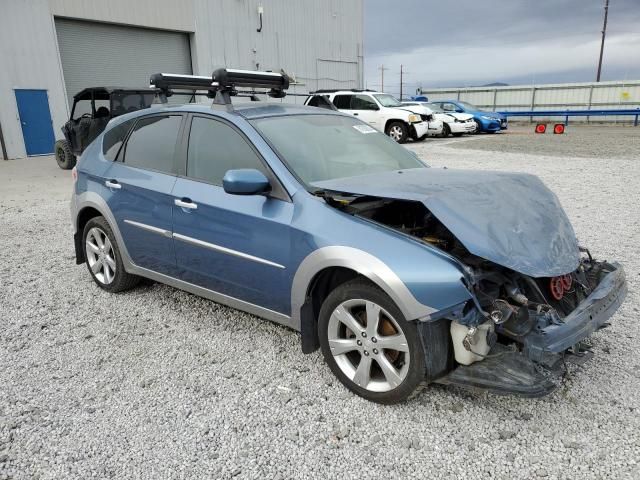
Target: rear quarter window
x,y
113,140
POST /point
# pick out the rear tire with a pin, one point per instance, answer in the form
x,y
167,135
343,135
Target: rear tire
x,y
347,339
397,131
478,127
103,258
66,160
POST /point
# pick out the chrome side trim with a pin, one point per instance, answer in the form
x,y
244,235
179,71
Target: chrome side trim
x,y
149,228
218,248
92,199
365,264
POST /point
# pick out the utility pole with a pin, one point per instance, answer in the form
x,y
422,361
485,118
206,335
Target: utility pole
x,y
604,32
382,69
400,82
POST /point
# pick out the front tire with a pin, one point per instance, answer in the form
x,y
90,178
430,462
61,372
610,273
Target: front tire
x,y
65,159
446,131
103,257
369,345
478,127
398,131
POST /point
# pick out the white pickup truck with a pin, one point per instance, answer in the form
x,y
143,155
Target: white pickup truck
x,y
381,111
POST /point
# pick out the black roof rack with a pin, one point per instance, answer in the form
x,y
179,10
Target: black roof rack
x,y
222,84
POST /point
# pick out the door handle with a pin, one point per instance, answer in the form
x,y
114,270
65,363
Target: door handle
x,y
356,114
185,203
113,184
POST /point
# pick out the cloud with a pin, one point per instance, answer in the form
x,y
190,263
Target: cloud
x,y
470,42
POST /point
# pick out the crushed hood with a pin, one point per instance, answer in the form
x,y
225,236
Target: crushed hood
x,y
511,219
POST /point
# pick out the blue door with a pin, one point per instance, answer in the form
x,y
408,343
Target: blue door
x,y
237,245
137,188
35,119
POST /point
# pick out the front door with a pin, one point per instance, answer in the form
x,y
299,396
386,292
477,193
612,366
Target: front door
x,y
236,245
366,109
35,120
138,189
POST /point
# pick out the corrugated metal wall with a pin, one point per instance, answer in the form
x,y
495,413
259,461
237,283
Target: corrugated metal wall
x,y
100,54
573,96
317,41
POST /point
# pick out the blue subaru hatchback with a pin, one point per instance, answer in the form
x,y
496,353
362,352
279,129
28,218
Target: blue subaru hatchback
x,y
402,274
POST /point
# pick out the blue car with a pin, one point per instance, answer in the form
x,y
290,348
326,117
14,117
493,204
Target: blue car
x,y
489,122
401,274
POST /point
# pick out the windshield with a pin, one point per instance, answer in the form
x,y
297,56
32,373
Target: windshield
x,y
326,147
468,106
434,107
387,100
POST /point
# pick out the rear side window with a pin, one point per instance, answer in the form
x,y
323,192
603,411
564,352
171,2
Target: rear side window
x,y
113,140
152,143
215,148
342,102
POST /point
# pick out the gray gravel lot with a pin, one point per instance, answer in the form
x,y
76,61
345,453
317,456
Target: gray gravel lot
x,y
590,141
156,383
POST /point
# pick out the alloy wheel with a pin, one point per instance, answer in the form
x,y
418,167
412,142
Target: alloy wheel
x,y
368,345
396,132
100,256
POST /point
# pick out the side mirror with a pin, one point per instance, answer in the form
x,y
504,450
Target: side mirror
x,y
245,181
459,110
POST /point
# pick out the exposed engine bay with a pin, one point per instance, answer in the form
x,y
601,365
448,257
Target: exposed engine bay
x,y
508,305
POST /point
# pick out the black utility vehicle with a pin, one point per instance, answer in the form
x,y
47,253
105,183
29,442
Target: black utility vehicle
x,y
92,109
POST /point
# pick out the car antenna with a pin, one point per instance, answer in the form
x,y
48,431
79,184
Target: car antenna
x,y
221,86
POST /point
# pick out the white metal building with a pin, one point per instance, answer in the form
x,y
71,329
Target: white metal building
x,y
51,49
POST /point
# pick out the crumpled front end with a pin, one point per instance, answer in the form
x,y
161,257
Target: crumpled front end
x,y
517,323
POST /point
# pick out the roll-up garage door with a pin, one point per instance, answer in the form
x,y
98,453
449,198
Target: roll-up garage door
x,y
100,54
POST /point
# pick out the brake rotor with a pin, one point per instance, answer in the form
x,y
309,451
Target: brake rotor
x,y
567,281
385,328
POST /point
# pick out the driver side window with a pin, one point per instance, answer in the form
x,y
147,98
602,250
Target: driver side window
x,y
215,148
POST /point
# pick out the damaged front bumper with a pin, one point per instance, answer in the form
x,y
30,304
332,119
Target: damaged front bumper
x,y
517,372
588,317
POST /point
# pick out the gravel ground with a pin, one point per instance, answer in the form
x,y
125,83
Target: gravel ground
x,y
602,141
156,383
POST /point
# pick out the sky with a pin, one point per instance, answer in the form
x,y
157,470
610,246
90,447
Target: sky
x,y
448,43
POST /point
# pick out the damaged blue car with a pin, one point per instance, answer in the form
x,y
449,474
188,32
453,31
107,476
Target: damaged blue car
x,y
401,274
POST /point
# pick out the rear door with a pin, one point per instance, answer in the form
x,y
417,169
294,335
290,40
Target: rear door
x,y
237,245
139,185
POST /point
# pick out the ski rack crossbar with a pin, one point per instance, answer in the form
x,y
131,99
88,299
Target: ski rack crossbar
x,y
222,84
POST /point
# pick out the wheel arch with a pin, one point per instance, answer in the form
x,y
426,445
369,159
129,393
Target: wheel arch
x,y
392,120
86,206
326,268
